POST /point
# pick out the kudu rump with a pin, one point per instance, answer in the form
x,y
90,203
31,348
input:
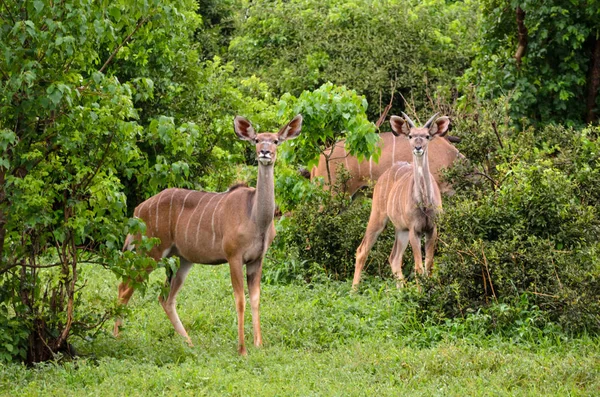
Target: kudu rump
x,y
235,226
393,149
408,195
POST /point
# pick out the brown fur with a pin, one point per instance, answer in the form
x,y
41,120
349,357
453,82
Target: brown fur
x,y
442,154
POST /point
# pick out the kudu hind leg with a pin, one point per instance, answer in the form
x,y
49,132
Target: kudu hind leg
x,y
397,254
374,228
125,292
169,305
253,274
126,289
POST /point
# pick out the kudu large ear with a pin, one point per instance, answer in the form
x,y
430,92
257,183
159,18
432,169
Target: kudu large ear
x,y
440,126
243,129
292,129
399,126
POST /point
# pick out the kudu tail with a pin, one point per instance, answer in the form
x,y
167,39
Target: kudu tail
x,y
128,244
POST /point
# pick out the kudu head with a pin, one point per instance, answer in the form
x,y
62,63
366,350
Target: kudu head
x,y
266,142
419,137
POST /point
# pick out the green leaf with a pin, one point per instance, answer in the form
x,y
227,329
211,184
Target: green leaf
x,y
115,12
38,5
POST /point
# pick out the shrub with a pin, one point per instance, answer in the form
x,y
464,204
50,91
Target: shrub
x,y
521,231
533,231
320,236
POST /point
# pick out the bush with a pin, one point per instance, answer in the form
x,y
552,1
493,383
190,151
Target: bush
x,y
531,229
521,231
320,236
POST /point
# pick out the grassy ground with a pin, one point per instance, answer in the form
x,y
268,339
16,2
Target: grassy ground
x,y
319,340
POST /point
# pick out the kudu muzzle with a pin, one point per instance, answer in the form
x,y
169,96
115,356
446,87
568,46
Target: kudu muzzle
x,y
265,155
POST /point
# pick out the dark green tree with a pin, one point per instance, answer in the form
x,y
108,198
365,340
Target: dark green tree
x,y
544,56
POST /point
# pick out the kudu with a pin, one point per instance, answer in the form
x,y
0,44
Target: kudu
x,y
235,226
408,195
393,149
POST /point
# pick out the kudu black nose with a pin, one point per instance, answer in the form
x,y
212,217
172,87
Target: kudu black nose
x,y
262,151
418,147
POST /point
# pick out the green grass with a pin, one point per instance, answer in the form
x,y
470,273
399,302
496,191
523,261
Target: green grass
x,y
319,340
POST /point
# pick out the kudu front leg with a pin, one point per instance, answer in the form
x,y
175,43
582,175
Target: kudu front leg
x,y
237,282
253,275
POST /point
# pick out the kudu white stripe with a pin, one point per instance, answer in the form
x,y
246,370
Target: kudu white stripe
x,y
212,223
171,210
181,212
204,207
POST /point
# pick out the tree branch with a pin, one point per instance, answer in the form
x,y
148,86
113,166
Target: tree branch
x,y
85,183
411,106
110,58
9,13
4,74
388,107
494,127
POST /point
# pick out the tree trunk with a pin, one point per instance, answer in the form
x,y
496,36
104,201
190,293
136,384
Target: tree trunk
x,y
38,350
3,218
593,82
522,30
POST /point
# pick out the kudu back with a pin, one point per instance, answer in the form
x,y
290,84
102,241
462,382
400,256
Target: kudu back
x,y
442,154
235,226
409,196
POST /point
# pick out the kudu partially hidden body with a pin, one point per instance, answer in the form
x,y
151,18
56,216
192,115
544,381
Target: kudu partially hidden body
x,y
235,226
408,195
442,155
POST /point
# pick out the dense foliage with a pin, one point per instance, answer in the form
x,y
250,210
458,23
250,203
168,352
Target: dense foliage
x,y
319,238
369,46
531,230
330,113
68,126
548,65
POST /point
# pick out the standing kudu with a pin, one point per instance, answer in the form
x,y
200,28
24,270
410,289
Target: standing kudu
x,y
408,195
235,226
393,149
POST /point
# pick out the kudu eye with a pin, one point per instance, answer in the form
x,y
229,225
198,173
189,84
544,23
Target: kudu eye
x,y
410,137
255,140
276,142
428,137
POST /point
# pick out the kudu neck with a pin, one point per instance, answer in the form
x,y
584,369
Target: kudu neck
x,y
263,208
423,187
